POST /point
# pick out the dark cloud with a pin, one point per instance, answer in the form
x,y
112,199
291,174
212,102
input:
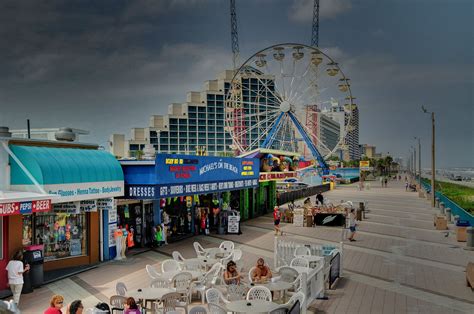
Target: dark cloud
x,y
107,65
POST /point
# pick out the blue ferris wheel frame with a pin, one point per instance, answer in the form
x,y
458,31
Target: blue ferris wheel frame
x,y
267,143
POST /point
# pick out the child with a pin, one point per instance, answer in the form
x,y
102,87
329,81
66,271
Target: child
x,y
276,220
352,224
159,235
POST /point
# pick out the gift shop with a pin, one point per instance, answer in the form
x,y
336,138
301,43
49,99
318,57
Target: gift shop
x,y
76,183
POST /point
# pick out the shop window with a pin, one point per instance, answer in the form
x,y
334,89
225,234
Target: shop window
x,y
27,236
62,234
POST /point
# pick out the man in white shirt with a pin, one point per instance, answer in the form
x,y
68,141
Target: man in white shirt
x,y
15,271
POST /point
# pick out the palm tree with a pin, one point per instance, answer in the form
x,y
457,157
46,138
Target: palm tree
x,y
388,163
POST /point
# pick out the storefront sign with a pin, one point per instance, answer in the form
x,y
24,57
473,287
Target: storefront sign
x,y
88,206
105,203
16,208
364,165
267,176
140,191
75,248
83,191
68,208
204,188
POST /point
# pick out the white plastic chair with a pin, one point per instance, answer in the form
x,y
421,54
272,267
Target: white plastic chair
x,y
237,255
227,245
152,272
259,293
288,274
170,265
177,256
121,289
214,295
198,310
236,292
302,250
216,309
209,279
182,283
192,265
299,262
159,283
297,296
251,271
227,259
199,249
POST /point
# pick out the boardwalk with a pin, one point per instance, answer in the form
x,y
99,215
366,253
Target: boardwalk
x,y
399,263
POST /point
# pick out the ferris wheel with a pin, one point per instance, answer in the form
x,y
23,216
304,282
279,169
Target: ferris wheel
x,y
290,97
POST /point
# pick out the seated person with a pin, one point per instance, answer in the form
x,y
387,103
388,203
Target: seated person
x,y
262,272
131,307
231,274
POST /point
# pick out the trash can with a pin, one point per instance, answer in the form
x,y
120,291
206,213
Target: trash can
x,y
361,211
34,256
461,226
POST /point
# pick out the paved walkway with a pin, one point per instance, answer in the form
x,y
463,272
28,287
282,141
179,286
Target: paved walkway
x,y
399,263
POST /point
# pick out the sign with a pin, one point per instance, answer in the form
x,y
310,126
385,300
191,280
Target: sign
x,y
16,208
233,224
75,248
112,229
204,188
364,165
140,191
327,219
68,208
72,192
335,269
88,206
105,203
298,218
179,175
267,176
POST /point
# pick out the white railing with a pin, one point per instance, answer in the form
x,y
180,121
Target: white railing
x,y
314,281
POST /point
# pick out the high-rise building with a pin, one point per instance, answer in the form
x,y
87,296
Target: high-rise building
x,y
348,119
199,123
367,150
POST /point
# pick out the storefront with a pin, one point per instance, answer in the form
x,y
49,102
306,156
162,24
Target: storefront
x,y
82,181
190,191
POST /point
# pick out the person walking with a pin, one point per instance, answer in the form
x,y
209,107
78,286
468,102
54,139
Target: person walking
x,y
381,181
352,224
15,271
386,181
320,198
276,220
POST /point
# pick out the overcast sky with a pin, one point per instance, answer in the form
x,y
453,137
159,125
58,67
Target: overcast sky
x,y
106,66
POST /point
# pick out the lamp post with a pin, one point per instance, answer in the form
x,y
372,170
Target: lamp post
x,y
419,160
433,169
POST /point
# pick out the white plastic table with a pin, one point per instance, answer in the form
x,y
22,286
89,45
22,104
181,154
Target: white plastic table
x,y
149,294
217,252
256,306
205,261
301,269
170,274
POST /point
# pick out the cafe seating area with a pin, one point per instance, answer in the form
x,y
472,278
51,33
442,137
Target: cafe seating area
x,y
198,285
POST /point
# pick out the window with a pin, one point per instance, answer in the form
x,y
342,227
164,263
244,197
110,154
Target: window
x,y
202,141
173,121
173,134
211,122
211,129
63,234
153,140
153,134
173,148
220,148
183,127
211,141
192,116
202,122
134,147
202,109
191,109
163,147
183,140
192,128
202,115
202,128
192,121
183,134
202,135
173,128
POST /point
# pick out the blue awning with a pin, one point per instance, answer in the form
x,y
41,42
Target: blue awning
x,y
72,172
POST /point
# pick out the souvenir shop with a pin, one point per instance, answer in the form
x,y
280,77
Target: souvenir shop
x,y
78,179
190,192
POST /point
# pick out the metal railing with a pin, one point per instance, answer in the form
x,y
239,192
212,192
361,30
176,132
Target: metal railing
x,y
286,197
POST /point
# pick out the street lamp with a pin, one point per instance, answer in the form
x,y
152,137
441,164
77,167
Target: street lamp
x,y
419,160
433,169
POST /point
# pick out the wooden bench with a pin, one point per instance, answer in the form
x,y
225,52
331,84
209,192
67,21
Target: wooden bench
x,y
470,275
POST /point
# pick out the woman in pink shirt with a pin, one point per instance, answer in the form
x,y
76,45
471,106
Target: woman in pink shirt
x,y
56,303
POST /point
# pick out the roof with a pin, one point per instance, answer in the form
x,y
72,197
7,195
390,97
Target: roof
x,y
259,152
